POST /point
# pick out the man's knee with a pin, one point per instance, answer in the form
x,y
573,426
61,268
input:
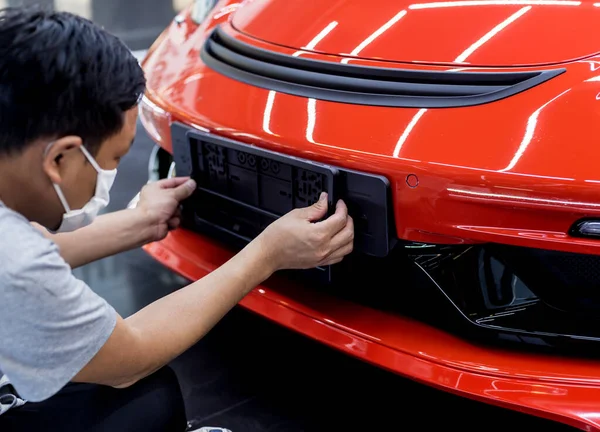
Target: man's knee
x,y
167,400
155,402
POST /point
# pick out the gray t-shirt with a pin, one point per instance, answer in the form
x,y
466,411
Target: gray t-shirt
x,y
52,323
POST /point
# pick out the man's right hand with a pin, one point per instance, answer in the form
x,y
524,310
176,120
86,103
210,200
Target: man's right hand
x,y
301,240
155,335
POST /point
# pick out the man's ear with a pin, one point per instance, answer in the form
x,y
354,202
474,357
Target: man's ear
x,y
57,153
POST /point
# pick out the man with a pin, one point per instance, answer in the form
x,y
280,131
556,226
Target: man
x,y
69,362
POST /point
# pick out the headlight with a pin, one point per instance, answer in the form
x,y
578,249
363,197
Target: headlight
x,y
201,9
156,121
172,171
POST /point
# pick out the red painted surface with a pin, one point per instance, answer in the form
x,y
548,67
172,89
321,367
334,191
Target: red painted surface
x,y
518,171
565,390
431,31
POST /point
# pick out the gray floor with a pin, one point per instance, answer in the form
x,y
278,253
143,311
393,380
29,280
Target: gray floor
x,y
250,375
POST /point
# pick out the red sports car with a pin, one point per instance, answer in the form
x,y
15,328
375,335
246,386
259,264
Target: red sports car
x,y
462,134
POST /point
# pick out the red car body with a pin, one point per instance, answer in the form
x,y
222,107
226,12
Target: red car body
x,y
521,170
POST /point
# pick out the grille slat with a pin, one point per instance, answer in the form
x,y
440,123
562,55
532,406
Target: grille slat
x,y
365,85
347,83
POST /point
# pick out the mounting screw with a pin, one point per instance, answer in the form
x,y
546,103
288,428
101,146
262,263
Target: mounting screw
x,y
264,164
275,167
412,181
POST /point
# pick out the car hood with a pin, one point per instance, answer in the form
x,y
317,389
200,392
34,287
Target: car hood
x,y
464,32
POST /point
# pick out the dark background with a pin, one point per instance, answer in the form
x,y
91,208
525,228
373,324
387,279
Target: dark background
x,y
249,374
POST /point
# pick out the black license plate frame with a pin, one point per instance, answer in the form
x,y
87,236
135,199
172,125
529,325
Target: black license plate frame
x,y
367,195
246,195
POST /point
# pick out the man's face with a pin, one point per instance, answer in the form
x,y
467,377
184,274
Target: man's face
x,y
76,176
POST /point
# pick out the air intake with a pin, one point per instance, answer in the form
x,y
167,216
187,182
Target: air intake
x,y
364,85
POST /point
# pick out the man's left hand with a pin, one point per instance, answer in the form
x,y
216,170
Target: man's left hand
x,y
160,203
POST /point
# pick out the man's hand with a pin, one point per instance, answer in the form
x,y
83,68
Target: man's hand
x,y
151,338
160,204
297,241
156,212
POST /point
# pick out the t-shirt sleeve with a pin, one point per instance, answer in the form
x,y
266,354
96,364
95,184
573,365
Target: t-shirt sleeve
x,y
52,323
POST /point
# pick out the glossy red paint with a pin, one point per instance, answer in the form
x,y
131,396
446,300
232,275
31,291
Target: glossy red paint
x,y
498,33
567,391
518,171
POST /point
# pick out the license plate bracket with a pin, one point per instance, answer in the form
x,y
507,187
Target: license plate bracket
x,y
243,188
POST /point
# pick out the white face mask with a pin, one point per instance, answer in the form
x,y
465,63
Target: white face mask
x,y
75,219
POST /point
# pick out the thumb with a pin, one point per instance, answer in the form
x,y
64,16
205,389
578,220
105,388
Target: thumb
x,y
184,190
318,210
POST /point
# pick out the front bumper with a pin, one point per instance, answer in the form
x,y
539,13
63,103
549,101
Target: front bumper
x,y
565,390
459,200
546,385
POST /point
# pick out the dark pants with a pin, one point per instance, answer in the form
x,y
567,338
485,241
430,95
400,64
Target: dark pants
x,y
153,404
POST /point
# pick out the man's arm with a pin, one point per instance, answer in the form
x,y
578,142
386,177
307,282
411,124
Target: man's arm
x,y
156,213
151,338
108,235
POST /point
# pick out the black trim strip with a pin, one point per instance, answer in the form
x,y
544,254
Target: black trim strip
x,y
575,230
364,85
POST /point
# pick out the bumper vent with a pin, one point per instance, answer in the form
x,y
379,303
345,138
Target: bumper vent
x,y
364,85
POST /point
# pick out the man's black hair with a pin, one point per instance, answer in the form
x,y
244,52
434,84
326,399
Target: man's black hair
x,y
61,74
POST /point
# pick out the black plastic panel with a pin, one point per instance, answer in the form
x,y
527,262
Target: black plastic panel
x,y
243,188
515,294
576,229
365,85
367,198
265,183
182,152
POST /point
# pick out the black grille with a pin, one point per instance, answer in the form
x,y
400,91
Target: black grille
x,y
363,85
576,269
549,299
566,281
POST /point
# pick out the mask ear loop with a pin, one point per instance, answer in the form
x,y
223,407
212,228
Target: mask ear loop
x,y
61,197
91,159
59,192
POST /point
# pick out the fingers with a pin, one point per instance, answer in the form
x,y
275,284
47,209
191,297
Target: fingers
x,y
184,190
178,188
174,223
341,245
175,220
338,255
181,187
170,183
337,221
318,210
344,236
